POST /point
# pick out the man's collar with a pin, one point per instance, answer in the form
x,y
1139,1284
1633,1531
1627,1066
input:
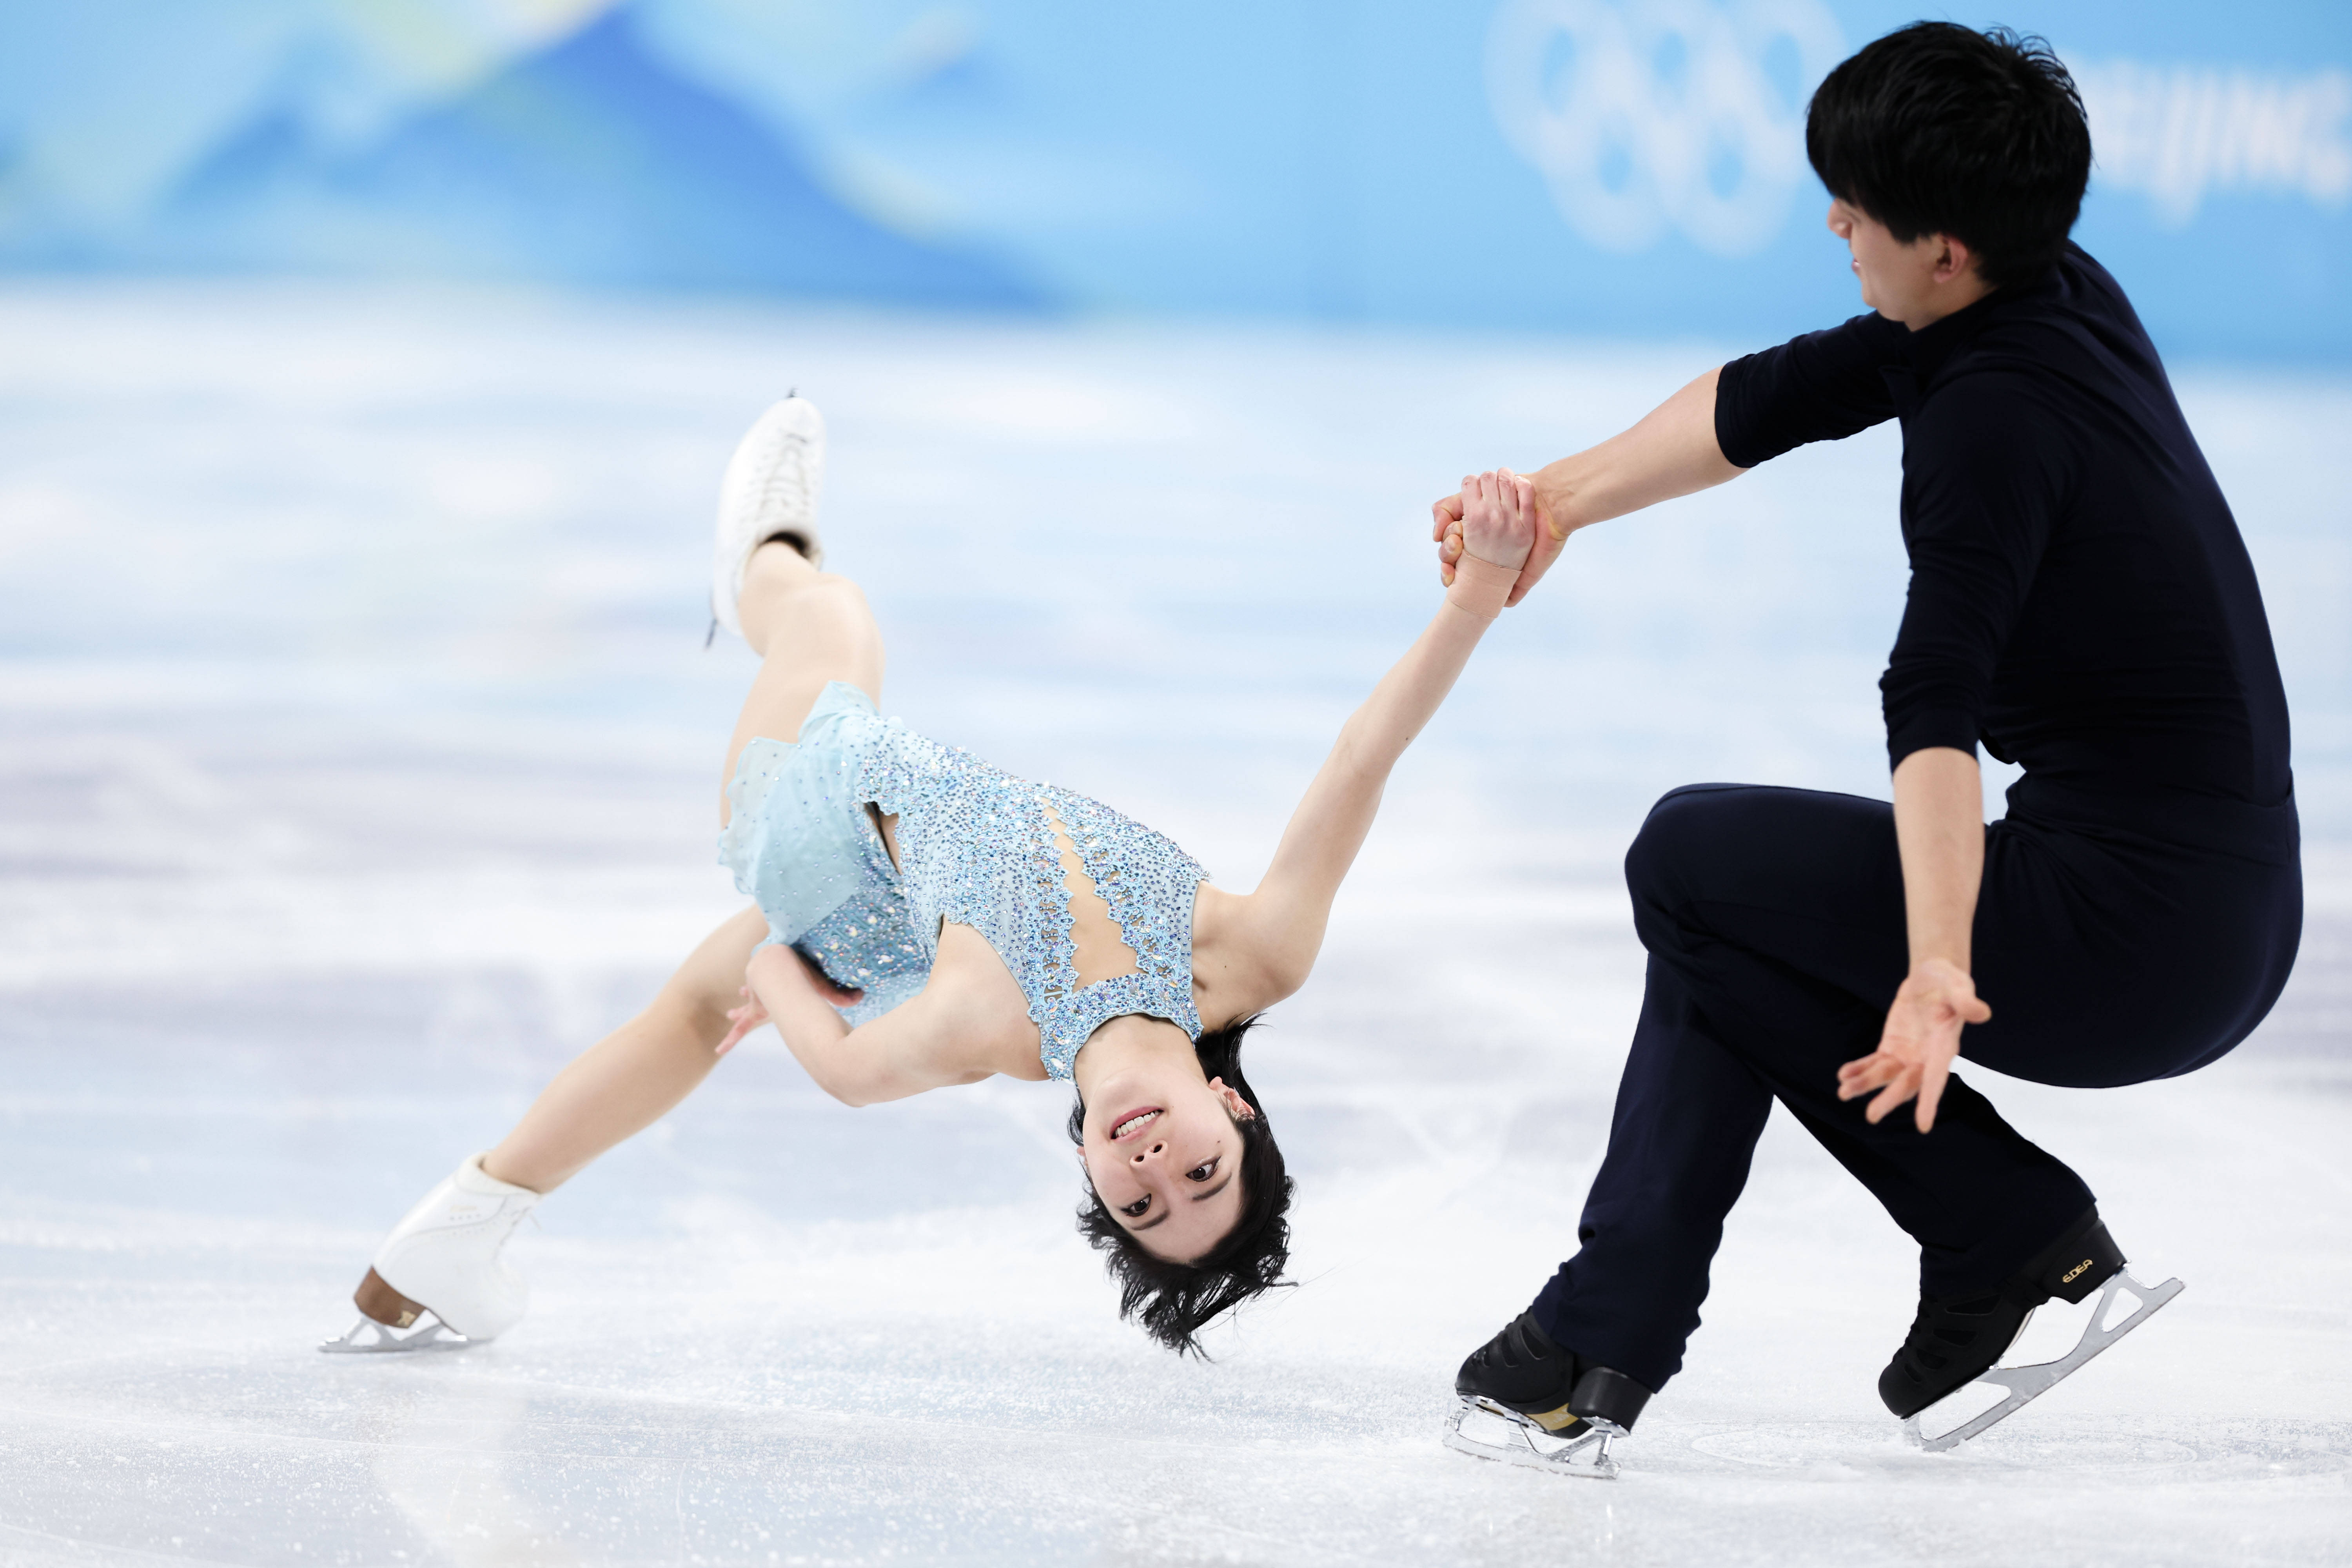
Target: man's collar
x,y
1925,350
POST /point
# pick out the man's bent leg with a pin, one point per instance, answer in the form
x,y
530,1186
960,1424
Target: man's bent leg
x,y
1774,920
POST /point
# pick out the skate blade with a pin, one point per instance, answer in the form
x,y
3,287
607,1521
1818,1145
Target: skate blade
x,y
368,1337
1586,1455
2027,1384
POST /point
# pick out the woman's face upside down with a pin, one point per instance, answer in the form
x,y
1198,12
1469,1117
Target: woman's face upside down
x,y
1162,1150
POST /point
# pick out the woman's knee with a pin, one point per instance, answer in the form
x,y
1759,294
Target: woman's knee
x,y
821,617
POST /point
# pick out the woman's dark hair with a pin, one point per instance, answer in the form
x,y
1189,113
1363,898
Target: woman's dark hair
x,y
1935,129
1174,1301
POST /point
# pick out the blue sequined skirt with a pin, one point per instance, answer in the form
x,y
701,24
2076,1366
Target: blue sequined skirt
x,y
800,844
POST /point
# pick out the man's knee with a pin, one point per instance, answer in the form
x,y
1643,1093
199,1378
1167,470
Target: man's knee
x,y
1659,862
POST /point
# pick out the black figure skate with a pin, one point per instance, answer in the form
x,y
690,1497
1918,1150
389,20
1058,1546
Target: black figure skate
x,y
1955,1340
1558,1412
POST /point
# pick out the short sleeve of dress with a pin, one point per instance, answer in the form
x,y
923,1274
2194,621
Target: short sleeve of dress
x,y
1823,387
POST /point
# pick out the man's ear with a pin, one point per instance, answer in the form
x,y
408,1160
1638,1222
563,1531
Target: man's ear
x,y
1953,258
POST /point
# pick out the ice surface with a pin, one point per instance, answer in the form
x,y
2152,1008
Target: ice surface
x,y
361,765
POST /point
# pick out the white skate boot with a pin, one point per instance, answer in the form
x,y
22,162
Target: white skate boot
x,y
771,490
438,1281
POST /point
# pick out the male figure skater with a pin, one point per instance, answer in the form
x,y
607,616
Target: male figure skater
x,y
2081,604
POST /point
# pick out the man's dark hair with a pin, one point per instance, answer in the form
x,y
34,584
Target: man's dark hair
x,y
1935,129
1173,1301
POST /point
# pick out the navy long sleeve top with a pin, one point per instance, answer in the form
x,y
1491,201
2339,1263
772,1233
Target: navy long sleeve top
x,y
2081,600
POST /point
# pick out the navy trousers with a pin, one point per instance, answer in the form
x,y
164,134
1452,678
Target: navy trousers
x,y
2113,949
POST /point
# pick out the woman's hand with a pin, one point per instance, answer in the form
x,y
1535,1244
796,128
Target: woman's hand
x,y
742,1021
774,967
1498,518
1922,1037
1545,537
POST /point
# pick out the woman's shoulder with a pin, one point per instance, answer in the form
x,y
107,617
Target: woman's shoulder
x,y
1234,968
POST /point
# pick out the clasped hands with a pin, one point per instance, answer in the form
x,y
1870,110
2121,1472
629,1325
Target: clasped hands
x,y
1502,511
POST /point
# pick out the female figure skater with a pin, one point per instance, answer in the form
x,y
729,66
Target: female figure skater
x,y
922,919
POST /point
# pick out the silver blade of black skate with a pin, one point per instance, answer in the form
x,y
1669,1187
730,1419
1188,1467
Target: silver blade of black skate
x,y
2026,1383
1585,1456
368,1337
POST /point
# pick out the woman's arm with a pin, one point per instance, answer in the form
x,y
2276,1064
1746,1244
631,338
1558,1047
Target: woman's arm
x,y
902,1053
1280,927
1672,452
1940,832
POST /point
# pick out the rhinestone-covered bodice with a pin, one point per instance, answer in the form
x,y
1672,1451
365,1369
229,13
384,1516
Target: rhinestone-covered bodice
x,y
977,847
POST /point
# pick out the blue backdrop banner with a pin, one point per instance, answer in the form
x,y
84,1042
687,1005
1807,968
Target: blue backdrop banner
x,y
1626,167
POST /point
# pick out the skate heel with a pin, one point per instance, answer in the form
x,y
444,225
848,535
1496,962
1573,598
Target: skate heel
x,y
376,1300
1604,1394
391,1322
2084,1261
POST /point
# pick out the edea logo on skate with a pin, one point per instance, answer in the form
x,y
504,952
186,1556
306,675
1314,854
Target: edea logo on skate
x,y
1682,115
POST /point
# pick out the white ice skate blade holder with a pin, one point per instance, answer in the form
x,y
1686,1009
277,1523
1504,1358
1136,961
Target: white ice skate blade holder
x,y
2025,1383
368,1337
1529,1447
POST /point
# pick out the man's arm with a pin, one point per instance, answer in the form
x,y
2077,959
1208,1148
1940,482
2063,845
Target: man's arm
x,y
1940,832
1822,386
1672,452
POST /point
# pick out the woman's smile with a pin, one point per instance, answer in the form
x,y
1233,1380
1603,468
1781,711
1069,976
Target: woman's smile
x,y
1134,1122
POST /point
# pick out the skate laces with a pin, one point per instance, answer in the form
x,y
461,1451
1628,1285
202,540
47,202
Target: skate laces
x,y
783,498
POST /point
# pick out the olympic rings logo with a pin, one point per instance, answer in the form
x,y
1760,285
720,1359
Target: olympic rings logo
x,y
1653,114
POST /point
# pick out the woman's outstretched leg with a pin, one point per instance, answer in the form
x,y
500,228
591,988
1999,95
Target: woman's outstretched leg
x,y
438,1280
633,1075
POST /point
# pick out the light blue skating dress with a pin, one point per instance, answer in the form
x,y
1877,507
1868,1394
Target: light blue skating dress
x,y
978,849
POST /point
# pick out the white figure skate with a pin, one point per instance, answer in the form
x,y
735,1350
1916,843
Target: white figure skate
x,y
438,1282
771,490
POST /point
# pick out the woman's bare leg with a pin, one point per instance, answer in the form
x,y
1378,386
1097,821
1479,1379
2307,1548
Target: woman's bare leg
x,y
630,1078
809,627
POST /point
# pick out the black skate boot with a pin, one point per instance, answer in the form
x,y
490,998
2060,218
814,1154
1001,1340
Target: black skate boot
x,y
1956,1340
1523,1378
